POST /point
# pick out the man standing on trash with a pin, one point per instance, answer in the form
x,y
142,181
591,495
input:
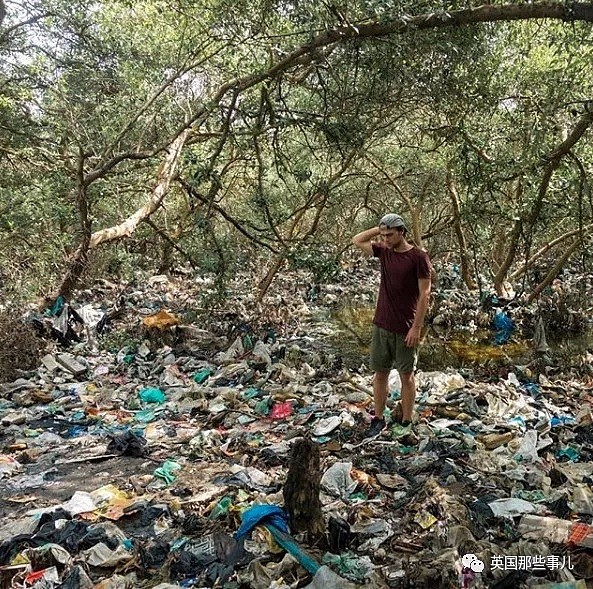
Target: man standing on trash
x,y
401,307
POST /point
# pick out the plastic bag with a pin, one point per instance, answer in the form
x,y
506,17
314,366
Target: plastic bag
x,y
167,471
527,451
281,410
152,395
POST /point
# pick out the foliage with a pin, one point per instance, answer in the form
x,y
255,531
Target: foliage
x,y
321,264
294,162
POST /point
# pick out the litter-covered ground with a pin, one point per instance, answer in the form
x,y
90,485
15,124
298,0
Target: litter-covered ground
x,y
152,445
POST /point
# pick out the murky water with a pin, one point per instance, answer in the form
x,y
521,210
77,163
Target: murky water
x,y
443,348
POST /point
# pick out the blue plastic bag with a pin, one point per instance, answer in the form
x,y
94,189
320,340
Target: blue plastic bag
x,y
259,514
152,395
504,326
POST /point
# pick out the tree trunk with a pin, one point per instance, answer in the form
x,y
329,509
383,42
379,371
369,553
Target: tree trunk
x,y
302,487
463,257
90,241
513,243
164,177
316,199
545,249
553,161
554,271
79,259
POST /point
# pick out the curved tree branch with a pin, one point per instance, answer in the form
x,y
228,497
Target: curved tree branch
x,y
165,174
236,224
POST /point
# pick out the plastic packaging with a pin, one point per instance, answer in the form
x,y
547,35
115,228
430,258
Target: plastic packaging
x,y
571,453
281,410
582,500
202,376
152,395
221,508
511,507
167,471
337,480
527,451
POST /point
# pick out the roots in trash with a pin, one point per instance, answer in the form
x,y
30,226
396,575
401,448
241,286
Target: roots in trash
x,y
20,346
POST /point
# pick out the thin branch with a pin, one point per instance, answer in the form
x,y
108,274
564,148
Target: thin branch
x,y
167,238
237,224
546,248
6,33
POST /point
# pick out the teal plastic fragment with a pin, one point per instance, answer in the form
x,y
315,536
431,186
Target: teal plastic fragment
x,y
571,453
166,472
290,545
56,308
145,416
263,407
221,508
201,376
153,395
251,392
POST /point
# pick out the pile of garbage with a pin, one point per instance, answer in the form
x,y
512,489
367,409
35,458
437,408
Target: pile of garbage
x,y
153,451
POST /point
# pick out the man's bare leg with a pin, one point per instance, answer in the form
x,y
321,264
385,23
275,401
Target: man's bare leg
x,y
408,395
380,392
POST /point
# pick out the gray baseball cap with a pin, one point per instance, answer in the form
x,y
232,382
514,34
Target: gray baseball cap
x,y
391,221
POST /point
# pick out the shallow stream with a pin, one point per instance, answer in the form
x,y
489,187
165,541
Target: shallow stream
x,y
456,348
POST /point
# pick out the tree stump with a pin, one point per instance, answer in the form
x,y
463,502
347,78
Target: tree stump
x,y
301,490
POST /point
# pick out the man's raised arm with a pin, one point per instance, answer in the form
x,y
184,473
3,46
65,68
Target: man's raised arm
x,y
363,240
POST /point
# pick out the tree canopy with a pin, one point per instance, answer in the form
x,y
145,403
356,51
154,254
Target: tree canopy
x,y
152,133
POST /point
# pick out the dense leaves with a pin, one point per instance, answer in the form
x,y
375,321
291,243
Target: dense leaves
x,y
460,128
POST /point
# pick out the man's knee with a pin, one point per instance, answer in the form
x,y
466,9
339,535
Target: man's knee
x,y
381,376
407,378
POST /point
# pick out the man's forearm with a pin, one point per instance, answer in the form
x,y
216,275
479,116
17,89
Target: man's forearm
x,y
363,239
365,236
421,310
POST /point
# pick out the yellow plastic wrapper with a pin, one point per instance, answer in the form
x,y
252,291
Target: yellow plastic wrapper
x,y
425,520
161,320
111,501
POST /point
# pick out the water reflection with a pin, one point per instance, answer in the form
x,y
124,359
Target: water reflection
x,y
453,347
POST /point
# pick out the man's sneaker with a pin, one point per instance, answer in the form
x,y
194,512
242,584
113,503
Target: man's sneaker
x,y
375,428
404,434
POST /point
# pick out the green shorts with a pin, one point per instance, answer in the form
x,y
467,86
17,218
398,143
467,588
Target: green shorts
x,y
389,350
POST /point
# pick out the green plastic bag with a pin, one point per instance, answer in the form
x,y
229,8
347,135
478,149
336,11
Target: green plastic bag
x,y
263,407
221,508
152,395
202,376
167,471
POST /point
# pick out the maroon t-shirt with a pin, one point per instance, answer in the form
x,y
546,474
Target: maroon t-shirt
x,y
398,293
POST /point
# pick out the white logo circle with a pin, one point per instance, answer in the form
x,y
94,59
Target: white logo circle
x,y
472,562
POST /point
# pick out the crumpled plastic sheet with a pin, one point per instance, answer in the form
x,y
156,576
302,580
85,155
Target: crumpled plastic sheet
x,y
511,507
377,530
503,407
325,578
337,481
101,555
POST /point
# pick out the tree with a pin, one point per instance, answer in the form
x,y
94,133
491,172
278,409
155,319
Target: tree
x,y
140,117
